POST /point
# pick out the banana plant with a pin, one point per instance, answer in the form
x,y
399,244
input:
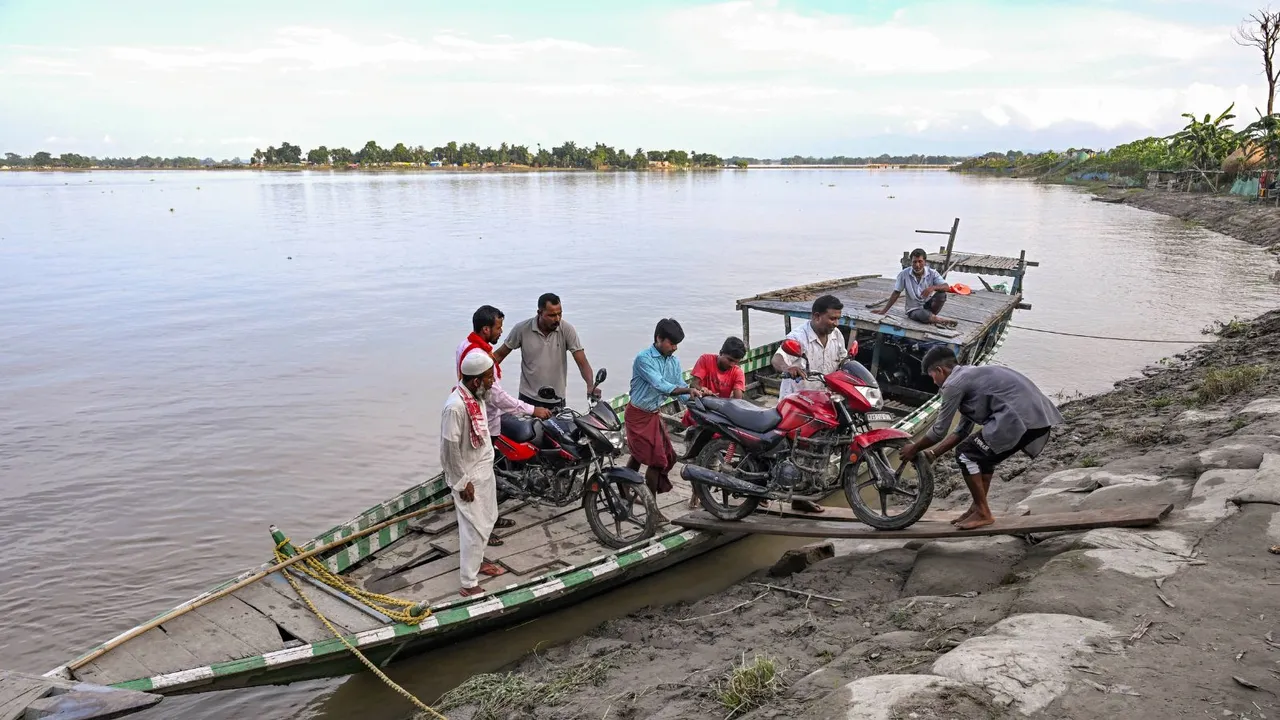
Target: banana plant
x,y
1207,142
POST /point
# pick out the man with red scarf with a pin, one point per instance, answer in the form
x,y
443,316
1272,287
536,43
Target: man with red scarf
x,y
466,458
486,330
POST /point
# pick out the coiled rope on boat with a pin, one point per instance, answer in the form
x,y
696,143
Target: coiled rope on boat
x,y
1107,337
409,613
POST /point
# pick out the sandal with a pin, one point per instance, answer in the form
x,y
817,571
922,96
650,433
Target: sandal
x,y
504,523
491,570
468,592
495,541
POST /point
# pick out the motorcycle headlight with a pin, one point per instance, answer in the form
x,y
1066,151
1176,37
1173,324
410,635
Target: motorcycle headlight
x,y
872,395
615,438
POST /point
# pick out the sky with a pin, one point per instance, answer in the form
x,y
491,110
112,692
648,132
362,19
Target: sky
x,y
761,78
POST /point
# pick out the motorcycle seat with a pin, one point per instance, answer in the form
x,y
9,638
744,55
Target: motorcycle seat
x,y
744,414
517,428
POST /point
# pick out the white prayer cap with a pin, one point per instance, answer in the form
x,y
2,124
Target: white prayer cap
x,y
475,363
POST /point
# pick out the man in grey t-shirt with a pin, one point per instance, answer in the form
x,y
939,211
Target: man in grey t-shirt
x,y
1014,414
545,341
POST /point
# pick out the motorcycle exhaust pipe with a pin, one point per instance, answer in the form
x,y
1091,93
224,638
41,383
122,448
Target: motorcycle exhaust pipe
x,y
699,474
506,486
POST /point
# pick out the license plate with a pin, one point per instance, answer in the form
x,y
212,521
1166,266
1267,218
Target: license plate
x,y
879,417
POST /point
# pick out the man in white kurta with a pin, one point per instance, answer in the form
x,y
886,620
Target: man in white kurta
x,y
466,455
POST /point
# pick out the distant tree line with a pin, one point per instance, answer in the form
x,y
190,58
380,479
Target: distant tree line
x,y
568,155
73,160
884,159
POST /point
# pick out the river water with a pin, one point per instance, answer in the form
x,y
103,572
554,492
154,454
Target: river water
x,y
187,357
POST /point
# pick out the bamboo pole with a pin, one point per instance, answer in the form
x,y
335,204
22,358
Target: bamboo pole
x,y
184,609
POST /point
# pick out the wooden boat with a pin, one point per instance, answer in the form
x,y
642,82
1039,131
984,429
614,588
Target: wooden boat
x,y
255,629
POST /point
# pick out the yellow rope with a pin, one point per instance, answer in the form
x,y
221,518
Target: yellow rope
x,y
393,607
324,575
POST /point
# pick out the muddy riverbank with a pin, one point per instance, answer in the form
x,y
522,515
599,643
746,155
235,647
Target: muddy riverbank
x,y
1174,620
1254,222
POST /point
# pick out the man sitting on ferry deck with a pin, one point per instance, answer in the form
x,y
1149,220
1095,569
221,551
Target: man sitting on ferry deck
x,y
655,377
824,348
926,291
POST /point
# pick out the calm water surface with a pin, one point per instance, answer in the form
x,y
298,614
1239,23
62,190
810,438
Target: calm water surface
x,y
186,358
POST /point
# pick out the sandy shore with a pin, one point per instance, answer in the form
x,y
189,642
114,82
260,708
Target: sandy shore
x,y
1179,620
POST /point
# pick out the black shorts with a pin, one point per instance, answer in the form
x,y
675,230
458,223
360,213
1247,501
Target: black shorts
x,y
975,457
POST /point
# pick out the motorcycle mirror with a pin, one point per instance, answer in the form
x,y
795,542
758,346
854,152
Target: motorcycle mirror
x,y
853,349
791,347
601,375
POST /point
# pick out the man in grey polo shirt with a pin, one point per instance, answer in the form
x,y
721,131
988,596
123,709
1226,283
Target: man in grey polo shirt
x,y
545,341
1012,411
926,291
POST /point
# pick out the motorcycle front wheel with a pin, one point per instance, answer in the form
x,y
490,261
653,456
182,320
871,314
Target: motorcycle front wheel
x,y
882,498
724,504
619,513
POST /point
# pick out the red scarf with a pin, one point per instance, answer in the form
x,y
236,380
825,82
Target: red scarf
x,y
479,428
475,341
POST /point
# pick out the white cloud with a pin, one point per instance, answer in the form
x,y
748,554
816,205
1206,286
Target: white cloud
x,y
242,141
321,49
106,139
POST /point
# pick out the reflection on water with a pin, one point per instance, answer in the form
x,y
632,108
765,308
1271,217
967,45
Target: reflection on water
x,y
187,357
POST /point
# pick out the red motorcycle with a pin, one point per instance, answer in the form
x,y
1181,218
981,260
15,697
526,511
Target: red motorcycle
x,y
813,441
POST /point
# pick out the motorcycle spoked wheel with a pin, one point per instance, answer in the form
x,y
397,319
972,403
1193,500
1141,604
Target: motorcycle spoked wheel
x,y
613,506
724,504
880,500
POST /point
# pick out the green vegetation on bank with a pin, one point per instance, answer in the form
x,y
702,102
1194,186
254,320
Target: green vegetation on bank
x,y
1209,151
453,154
884,159
1208,147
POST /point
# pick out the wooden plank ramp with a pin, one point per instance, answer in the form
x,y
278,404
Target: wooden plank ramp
x,y
843,514
1137,516
32,697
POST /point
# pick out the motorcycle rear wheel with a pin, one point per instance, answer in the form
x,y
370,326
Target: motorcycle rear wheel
x,y
608,524
860,479
718,501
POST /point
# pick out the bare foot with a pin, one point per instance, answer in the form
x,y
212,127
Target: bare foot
x,y
978,520
965,515
693,502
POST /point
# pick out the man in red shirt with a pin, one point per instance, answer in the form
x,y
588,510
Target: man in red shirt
x,y
718,375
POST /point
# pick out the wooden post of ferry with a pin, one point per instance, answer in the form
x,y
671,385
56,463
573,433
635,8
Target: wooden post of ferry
x,y
951,241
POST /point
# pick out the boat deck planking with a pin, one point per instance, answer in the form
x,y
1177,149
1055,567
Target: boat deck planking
x,y
974,313
1135,516
26,697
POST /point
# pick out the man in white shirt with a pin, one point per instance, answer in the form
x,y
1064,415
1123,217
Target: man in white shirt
x,y
824,348
466,457
926,291
823,343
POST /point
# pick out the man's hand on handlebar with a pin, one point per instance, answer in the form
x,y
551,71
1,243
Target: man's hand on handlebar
x,y
541,413
797,372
